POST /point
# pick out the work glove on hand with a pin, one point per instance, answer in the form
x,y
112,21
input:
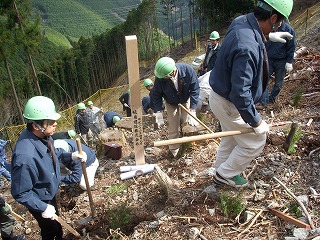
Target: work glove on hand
x,y
159,118
126,105
289,67
279,36
262,128
191,120
49,212
77,156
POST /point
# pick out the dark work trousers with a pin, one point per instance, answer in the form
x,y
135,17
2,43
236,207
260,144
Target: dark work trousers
x,y
50,229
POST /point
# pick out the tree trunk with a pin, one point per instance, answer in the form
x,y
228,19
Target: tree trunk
x,y
13,88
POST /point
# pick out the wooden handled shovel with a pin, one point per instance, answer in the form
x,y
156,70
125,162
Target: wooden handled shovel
x,y
197,119
66,225
84,172
216,135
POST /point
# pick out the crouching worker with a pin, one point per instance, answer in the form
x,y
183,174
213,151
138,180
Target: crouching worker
x,y
76,175
7,222
35,168
109,119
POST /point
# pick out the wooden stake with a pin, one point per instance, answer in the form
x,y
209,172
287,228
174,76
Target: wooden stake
x,y
135,97
289,219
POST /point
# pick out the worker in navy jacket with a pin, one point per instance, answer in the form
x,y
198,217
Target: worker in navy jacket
x,y
35,168
238,81
76,175
176,83
110,118
280,57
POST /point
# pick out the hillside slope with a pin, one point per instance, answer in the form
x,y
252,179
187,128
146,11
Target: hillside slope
x,y
75,18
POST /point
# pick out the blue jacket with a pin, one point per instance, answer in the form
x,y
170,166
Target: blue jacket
x,y
165,88
34,177
3,158
282,51
75,165
237,75
107,117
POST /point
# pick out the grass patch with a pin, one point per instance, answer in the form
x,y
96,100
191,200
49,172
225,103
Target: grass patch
x,y
294,208
120,218
117,189
231,206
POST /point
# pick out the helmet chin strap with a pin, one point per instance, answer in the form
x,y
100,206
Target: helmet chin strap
x,y
40,127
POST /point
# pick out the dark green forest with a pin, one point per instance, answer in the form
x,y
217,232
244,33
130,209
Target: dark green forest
x,y
33,64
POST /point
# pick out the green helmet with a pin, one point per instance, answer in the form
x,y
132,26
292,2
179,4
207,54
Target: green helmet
x,y
90,103
282,6
81,106
40,108
115,119
71,133
147,82
214,35
59,143
164,67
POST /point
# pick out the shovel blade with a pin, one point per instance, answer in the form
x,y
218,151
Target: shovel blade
x,y
84,220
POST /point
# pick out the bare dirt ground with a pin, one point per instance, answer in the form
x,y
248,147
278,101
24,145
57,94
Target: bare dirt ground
x,y
140,208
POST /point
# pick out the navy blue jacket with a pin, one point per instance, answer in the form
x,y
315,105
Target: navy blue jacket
x,y
107,117
34,177
237,75
282,51
164,88
75,165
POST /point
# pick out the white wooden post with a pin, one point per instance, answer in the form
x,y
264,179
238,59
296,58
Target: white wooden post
x,y
135,97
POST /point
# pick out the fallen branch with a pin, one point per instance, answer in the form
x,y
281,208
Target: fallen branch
x,y
252,222
313,151
298,201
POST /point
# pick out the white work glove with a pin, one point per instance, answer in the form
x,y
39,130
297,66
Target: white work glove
x,y
77,156
126,105
279,36
159,118
49,212
262,128
289,67
191,120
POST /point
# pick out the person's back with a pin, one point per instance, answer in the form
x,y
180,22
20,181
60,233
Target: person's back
x,y
110,118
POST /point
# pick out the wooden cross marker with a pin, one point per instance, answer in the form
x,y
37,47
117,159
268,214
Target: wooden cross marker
x,y
135,97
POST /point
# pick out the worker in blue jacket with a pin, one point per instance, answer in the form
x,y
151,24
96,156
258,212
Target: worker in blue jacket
x,y
4,164
76,176
238,80
110,118
176,83
280,57
35,168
